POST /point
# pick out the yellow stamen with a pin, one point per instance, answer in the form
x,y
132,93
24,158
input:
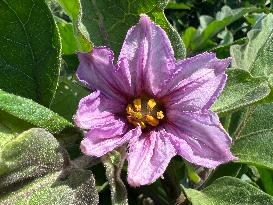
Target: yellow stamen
x,y
151,103
144,113
137,104
160,115
142,124
152,121
129,109
137,115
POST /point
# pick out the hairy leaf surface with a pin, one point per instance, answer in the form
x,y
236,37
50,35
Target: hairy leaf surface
x,y
36,153
229,191
241,89
29,50
31,112
256,56
255,137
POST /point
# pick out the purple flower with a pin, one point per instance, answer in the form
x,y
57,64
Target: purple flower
x,y
158,106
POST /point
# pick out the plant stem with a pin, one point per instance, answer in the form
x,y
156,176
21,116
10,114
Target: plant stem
x,y
172,186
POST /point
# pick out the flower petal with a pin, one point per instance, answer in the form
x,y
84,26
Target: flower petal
x,y
96,109
101,140
148,157
199,138
97,71
197,82
148,54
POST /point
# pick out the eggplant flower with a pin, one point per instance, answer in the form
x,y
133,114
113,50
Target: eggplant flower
x,y
156,105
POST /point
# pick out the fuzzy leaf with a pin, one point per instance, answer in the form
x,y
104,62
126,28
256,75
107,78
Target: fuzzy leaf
x,y
257,120
73,10
230,169
254,144
29,50
256,56
31,112
241,89
36,153
113,163
229,191
31,154
74,187
108,21
68,39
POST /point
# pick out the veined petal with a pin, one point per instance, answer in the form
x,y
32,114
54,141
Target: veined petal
x,y
148,54
99,141
148,157
199,138
97,71
96,109
197,83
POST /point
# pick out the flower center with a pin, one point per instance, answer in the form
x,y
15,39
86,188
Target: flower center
x,y
144,112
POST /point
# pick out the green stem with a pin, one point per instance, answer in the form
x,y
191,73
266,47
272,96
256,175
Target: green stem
x,y
172,186
192,175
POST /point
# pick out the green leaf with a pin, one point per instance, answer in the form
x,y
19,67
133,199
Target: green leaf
x,y
241,89
113,163
257,120
226,36
267,180
31,112
69,42
214,27
230,169
256,56
32,153
223,51
74,187
67,98
73,10
172,5
205,20
254,144
101,20
108,21
29,50
228,191
36,153
6,134
188,37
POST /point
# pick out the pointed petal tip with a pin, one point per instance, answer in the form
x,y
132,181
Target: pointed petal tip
x,y
144,19
233,158
145,22
230,157
84,148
